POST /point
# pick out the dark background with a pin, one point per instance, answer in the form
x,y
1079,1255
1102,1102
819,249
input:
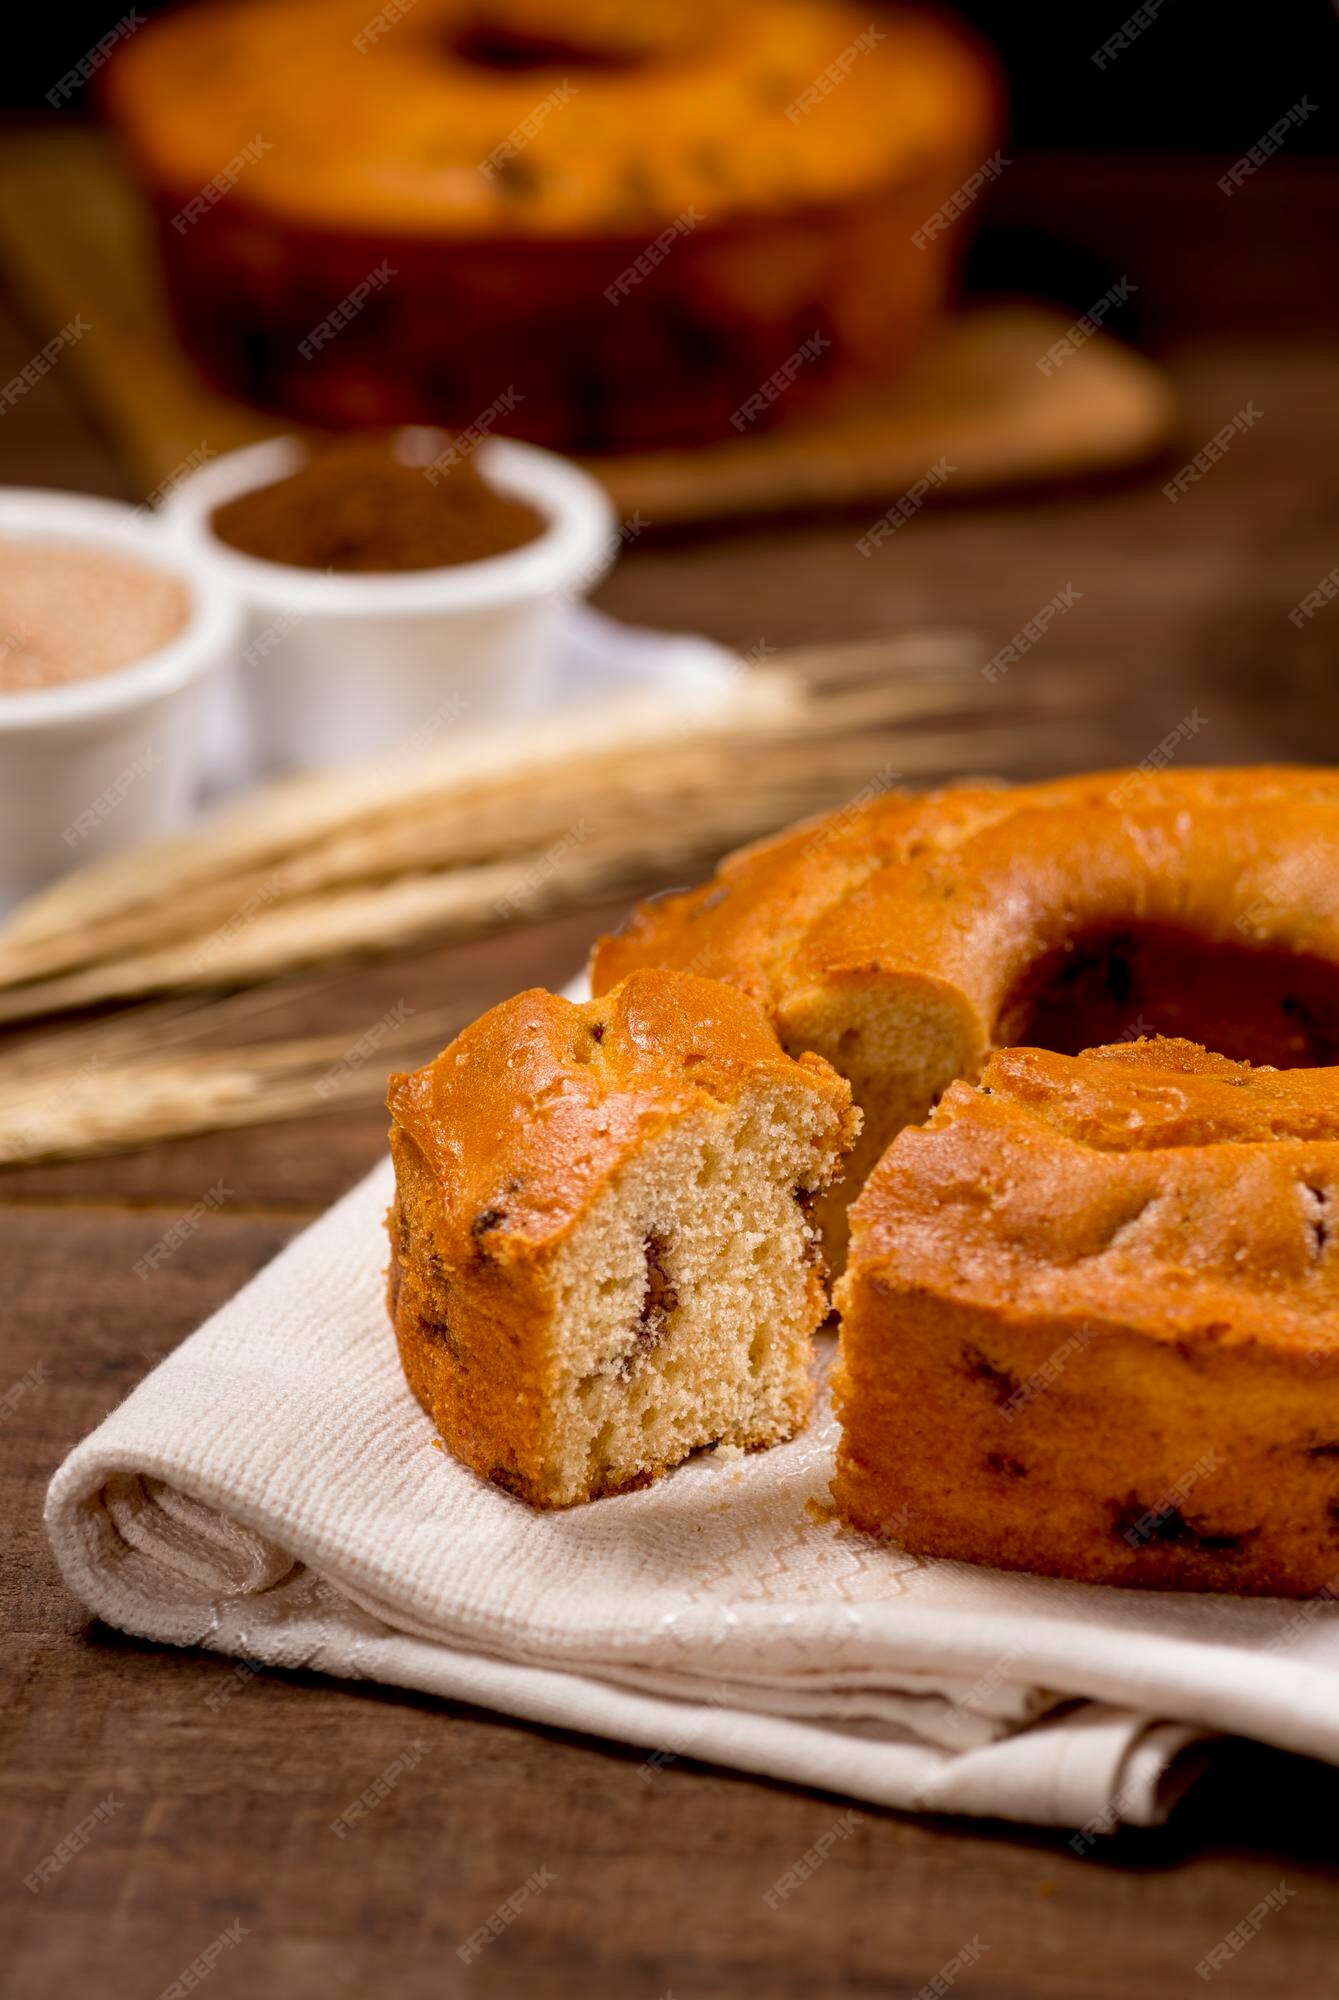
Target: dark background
x,y
1202,77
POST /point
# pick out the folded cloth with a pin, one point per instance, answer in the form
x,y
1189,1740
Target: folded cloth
x,y
273,1491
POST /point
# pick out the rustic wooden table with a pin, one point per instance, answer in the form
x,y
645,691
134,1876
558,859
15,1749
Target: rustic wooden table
x,y
224,1807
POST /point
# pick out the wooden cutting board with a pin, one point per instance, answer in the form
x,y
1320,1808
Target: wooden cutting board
x,y
73,239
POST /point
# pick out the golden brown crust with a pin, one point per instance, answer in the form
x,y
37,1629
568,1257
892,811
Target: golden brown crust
x,y
970,886
681,106
903,940
1091,1324
502,1145
534,1108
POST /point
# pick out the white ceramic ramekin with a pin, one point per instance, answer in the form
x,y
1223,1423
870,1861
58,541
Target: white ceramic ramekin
x,y
93,765
338,669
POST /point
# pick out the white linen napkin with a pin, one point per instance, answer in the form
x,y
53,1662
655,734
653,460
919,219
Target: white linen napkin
x,y
272,1491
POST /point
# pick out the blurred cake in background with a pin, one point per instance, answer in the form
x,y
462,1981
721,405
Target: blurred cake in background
x,y
599,224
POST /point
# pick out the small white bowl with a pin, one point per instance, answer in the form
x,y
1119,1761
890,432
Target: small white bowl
x,y
92,765
341,668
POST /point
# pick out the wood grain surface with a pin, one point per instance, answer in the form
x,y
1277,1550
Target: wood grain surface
x,y
223,1807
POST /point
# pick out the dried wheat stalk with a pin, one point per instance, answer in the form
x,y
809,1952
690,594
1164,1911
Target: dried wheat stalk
x,y
268,931
470,834
117,1097
469,804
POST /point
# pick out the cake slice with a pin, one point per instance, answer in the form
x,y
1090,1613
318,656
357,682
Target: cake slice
x,y
602,1253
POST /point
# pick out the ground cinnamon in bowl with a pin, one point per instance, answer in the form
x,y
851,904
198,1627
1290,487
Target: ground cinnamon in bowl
x,y
377,504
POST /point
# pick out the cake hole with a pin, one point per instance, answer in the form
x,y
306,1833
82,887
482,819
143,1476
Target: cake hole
x,y
1250,1003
